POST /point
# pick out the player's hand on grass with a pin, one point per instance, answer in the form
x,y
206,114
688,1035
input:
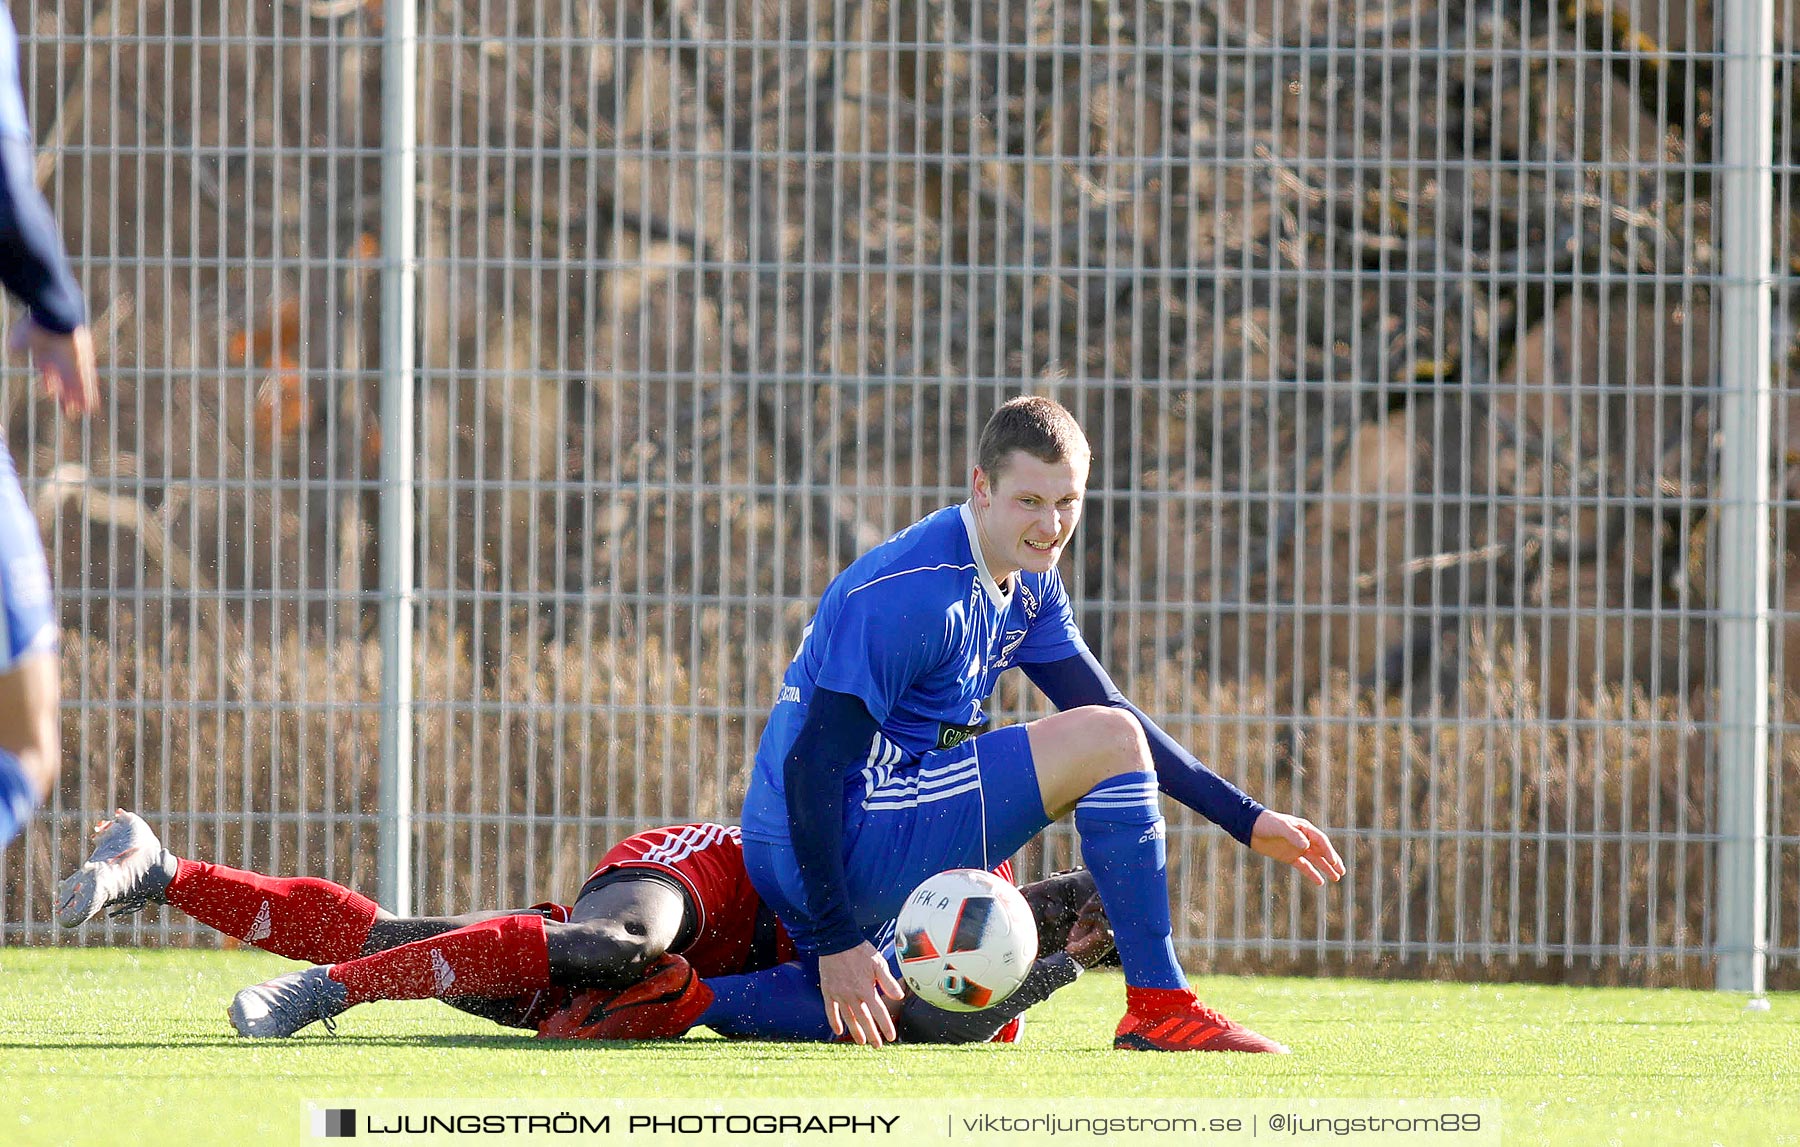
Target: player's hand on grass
x,y
65,360
1091,939
853,983
1298,842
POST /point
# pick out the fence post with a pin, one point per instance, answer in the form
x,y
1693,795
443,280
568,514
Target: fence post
x,y
1744,210
399,272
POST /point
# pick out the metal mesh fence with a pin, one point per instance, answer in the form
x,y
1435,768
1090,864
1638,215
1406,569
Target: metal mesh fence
x,y
1392,327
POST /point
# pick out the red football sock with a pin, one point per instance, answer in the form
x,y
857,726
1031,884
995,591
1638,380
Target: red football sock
x,y
504,956
1150,1002
302,919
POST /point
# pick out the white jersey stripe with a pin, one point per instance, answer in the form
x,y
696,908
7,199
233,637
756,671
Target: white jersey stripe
x,y
692,839
937,773
680,845
914,570
689,840
898,802
909,785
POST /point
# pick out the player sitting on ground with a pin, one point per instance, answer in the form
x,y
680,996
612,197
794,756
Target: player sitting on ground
x,y
875,771
586,971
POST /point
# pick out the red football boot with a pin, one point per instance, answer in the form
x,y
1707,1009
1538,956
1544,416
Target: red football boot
x,y
1177,1021
662,1005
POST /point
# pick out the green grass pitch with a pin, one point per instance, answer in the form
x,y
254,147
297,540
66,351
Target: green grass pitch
x,y
131,1047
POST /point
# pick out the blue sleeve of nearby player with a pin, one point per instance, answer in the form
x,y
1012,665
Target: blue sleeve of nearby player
x,y
1080,680
878,642
33,267
834,738
1053,635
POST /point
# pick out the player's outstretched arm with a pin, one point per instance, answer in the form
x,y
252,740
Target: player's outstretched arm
x,y
1293,840
34,270
1079,680
1298,842
64,359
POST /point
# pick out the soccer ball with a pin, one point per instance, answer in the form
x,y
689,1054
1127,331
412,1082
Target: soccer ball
x,y
965,939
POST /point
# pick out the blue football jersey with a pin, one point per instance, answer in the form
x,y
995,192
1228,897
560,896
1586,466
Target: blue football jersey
x,y
919,630
13,120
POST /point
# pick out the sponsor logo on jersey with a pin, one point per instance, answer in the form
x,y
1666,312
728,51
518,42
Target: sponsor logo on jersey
x,y
950,736
1029,600
788,693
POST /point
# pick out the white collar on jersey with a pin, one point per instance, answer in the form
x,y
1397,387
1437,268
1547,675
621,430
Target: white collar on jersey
x,y
1000,598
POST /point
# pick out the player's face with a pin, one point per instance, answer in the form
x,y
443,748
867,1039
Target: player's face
x,y
1026,513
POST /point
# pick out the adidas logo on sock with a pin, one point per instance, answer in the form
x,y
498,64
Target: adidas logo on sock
x,y
262,926
442,974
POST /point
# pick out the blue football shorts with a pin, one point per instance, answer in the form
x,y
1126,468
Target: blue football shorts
x,y
27,611
971,806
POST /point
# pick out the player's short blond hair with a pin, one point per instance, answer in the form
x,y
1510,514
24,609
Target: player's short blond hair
x,y
1042,427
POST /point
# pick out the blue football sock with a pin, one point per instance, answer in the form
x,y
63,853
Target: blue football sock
x,y
782,1002
1122,842
18,796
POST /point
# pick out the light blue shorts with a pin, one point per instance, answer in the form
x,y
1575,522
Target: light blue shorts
x,y
27,610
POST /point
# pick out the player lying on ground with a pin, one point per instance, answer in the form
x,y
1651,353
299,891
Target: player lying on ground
x,y
876,769
662,907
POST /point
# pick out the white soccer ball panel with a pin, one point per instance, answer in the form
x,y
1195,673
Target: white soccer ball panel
x,y
965,940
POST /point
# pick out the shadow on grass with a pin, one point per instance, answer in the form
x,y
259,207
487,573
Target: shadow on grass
x,y
698,1047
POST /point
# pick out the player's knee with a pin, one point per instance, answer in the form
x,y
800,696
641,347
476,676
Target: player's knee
x,y
1117,743
1080,748
600,953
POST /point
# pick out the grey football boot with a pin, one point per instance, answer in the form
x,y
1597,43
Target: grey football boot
x,y
275,1009
128,869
